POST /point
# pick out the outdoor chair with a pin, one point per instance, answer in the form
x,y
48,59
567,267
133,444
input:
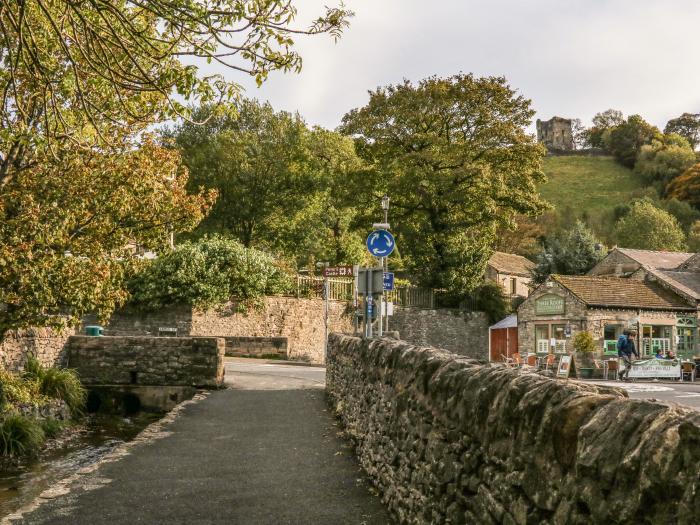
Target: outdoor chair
x,y
613,366
532,361
602,365
518,359
547,361
508,361
688,370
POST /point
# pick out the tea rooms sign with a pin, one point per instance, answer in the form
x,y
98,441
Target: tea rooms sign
x,y
549,304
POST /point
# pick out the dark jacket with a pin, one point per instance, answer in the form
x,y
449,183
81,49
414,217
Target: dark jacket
x,y
626,347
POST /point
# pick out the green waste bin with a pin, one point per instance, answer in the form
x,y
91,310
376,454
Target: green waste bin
x,y
93,330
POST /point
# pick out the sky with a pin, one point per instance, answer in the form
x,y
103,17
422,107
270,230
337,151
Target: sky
x,y
572,58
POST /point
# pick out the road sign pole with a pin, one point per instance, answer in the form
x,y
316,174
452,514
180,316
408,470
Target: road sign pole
x,y
325,319
380,330
369,304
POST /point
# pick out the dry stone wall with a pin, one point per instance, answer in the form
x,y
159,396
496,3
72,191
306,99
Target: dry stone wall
x,y
448,440
46,344
299,320
464,333
146,361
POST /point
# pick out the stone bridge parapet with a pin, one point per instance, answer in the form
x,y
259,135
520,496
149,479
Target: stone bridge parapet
x,y
147,361
452,440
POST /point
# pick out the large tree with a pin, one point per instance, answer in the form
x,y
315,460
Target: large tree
x,y
282,186
454,156
70,231
602,124
686,187
80,82
625,140
647,227
569,252
663,160
81,71
688,126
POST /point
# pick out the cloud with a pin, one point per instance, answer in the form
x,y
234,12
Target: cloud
x,y
571,58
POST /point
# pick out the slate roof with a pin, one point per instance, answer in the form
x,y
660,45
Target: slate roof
x,y
653,259
615,292
507,322
511,263
685,282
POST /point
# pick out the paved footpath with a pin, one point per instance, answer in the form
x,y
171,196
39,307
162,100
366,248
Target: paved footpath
x,y
247,455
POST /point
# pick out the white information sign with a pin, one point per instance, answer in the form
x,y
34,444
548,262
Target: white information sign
x,y
650,368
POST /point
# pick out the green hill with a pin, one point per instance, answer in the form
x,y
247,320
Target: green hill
x,y
588,185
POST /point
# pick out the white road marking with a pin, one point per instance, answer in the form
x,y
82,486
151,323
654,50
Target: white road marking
x,y
690,394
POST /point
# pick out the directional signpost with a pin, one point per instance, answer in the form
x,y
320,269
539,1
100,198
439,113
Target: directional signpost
x,y
380,243
388,281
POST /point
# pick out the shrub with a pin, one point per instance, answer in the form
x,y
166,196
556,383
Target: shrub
x,y
489,298
64,384
208,273
584,343
15,390
52,427
20,435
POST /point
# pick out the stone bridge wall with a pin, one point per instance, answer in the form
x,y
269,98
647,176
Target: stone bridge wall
x,y
298,320
275,347
448,440
147,361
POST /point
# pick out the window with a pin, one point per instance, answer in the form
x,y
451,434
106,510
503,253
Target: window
x,y
513,286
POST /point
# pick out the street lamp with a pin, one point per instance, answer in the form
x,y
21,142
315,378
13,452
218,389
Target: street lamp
x,y
385,207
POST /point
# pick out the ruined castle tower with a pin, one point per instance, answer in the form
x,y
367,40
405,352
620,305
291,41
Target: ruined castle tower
x,y
555,134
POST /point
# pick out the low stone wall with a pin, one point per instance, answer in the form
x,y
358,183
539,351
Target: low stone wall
x,y
46,344
275,347
164,361
448,440
464,333
299,320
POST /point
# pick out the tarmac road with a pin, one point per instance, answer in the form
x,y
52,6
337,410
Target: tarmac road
x,y
265,451
685,393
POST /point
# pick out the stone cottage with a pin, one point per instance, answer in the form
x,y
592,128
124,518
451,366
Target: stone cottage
x,y
510,271
604,306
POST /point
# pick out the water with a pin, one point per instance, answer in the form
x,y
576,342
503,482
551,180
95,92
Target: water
x,y
98,436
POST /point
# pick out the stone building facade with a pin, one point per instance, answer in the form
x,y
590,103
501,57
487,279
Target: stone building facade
x,y
556,310
556,134
511,272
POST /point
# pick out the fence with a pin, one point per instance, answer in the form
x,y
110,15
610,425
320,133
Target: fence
x,y
412,297
343,289
338,289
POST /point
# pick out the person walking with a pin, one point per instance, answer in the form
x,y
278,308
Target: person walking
x,y
625,350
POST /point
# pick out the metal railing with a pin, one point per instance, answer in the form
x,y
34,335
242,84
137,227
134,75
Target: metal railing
x,y
412,297
338,289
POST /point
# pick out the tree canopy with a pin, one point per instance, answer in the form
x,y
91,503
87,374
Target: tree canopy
x,y
570,252
625,140
69,231
647,227
282,186
455,158
82,71
686,187
687,126
663,160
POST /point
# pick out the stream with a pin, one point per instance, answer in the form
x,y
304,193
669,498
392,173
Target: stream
x,y
96,437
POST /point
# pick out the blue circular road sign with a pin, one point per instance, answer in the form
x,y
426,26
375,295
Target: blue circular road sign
x,y
380,243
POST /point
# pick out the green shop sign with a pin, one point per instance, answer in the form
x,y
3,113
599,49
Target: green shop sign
x,y
549,305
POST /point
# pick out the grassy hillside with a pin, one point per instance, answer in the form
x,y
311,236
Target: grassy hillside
x,y
588,184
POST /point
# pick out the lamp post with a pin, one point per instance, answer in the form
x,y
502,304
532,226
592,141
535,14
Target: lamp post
x,y
384,311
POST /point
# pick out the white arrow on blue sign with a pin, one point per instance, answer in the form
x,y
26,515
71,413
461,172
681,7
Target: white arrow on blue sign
x,y
380,243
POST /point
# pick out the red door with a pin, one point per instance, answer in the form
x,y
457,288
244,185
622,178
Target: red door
x,y
504,342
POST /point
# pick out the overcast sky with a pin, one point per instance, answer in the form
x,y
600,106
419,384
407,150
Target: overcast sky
x,y
573,58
